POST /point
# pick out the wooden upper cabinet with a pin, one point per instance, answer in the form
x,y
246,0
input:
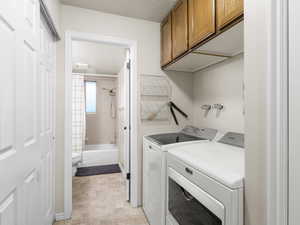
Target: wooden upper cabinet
x,y
228,10
180,28
166,40
201,15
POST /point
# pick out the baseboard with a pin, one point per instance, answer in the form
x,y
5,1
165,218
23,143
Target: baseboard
x,y
60,216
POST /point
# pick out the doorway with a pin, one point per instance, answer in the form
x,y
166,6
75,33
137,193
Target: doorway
x,y
117,129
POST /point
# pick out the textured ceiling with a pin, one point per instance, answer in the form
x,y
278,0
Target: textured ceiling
x,y
153,10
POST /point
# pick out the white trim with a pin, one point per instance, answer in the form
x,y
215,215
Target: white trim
x,y
54,131
294,106
277,113
59,216
135,173
68,128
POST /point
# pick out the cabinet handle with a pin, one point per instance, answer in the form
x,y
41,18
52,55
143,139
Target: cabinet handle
x,y
188,171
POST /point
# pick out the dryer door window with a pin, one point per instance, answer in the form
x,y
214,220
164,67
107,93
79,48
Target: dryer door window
x,y
186,209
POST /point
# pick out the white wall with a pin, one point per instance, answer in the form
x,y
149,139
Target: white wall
x,y
257,58
222,84
147,35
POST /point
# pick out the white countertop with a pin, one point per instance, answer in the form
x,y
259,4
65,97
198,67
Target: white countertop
x,y
222,162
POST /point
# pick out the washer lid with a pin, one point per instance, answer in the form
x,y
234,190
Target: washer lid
x,y
172,138
222,162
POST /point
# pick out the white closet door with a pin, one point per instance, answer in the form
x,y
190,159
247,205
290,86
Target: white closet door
x,y
20,118
46,84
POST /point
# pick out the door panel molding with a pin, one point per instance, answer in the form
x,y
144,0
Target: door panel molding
x,y
8,210
21,144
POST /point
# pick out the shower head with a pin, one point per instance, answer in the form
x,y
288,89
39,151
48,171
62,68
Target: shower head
x,y
112,92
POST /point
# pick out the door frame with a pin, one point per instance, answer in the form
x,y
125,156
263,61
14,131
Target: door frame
x,y
277,112
272,176
293,185
134,113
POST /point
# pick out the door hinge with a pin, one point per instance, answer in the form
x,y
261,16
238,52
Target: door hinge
x,y
127,176
128,65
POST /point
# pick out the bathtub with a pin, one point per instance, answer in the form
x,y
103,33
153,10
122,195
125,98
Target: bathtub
x,y
98,155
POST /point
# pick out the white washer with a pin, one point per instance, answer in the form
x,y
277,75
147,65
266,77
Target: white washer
x,y
206,183
155,167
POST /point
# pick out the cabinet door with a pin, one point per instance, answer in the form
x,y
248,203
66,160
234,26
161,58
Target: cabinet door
x,y
228,10
201,20
180,28
166,41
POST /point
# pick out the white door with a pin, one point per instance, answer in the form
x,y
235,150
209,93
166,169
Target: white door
x,y
46,83
21,144
124,124
19,118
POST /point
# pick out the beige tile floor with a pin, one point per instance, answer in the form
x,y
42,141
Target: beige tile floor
x,y
101,200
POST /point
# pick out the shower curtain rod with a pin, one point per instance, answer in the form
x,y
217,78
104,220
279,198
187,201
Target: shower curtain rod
x,y
96,75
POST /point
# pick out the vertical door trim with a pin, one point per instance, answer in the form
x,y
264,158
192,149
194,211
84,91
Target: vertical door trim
x,y
135,191
53,138
277,113
294,181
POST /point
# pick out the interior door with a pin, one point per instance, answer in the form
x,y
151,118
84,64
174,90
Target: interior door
x,y
124,121
47,102
20,150
201,20
180,28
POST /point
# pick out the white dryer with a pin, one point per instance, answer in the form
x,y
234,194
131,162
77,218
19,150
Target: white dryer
x,y
155,167
206,182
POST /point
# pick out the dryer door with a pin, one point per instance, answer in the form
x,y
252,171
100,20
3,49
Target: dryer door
x,y
189,205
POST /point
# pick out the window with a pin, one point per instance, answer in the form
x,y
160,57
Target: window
x,y
90,96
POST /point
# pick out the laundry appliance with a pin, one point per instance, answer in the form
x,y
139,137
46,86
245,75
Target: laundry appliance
x,y
155,167
205,182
